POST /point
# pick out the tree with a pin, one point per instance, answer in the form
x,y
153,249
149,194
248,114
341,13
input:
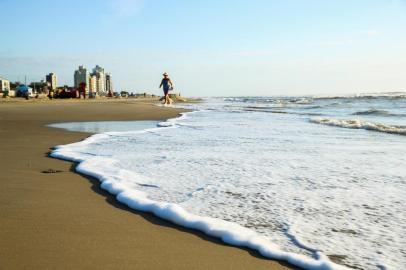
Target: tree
x,y
124,93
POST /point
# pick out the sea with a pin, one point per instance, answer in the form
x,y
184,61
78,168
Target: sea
x,y
316,181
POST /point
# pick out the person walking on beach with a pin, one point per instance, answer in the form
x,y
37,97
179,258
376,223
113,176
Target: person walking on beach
x,y
167,85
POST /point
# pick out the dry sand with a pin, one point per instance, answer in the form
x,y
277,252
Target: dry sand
x,y
65,221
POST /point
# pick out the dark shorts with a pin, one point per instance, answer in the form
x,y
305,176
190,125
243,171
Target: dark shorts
x,y
166,90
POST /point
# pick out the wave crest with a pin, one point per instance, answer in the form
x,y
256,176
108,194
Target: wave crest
x,y
373,112
359,124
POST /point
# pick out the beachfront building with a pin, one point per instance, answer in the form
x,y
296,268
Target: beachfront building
x,y
81,76
52,81
92,85
109,83
100,75
4,85
100,83
97,82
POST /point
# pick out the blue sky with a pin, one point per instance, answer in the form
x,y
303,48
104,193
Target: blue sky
x,y
258,47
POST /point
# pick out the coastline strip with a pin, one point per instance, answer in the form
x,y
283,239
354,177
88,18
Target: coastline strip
x,y
60,220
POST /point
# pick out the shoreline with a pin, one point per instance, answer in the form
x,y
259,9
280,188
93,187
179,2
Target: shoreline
x,y
62,220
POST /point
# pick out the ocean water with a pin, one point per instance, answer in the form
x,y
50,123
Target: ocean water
x,y
319,182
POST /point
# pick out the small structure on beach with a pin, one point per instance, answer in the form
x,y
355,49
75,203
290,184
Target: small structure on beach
x,y
24,91
4,87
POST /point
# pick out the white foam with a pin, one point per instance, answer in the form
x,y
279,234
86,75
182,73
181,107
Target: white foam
x,y
113,178
360,124
230,233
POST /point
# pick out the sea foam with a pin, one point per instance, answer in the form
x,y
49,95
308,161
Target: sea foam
x,y
112,179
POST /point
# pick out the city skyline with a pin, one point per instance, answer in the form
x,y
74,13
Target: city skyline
x,y
215,48
97,82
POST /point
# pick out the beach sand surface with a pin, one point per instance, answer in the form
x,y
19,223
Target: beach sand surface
x,y
64,220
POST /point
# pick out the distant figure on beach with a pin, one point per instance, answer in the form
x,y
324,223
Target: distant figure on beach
x,y
167,85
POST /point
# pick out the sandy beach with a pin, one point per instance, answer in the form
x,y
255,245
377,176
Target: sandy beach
x,y
64,220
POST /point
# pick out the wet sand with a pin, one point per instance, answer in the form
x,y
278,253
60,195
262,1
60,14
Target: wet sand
x,y
63,220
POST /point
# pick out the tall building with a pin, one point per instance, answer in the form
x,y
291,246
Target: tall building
x,y
92,85
52,80
81,76
109,83
100,83
4,85
100,79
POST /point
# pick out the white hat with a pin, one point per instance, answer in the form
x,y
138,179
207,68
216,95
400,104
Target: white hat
x,y
165,74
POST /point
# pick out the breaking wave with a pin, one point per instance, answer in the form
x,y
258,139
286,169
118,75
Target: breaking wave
x,y
377,112
360,124
374,112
